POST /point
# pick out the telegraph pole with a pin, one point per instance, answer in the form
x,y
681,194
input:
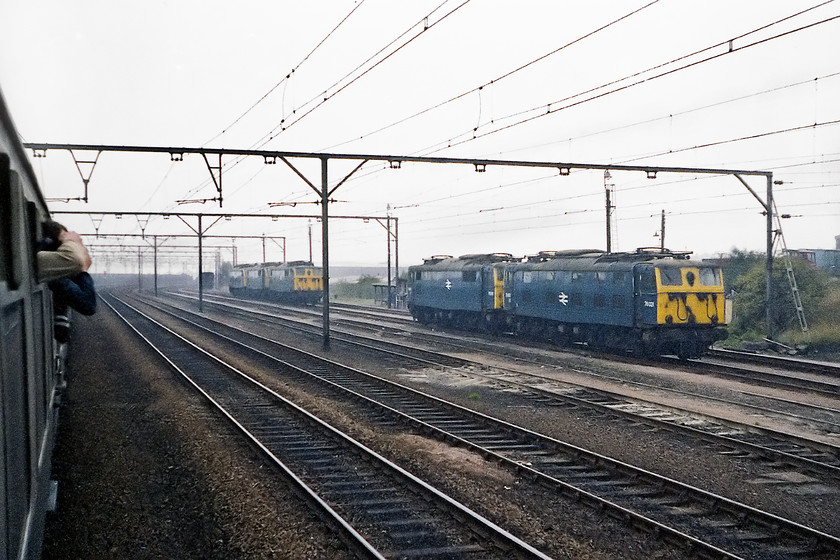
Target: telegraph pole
x,y
607,189
662,233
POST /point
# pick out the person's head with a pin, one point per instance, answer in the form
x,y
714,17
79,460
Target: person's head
x,y
52,235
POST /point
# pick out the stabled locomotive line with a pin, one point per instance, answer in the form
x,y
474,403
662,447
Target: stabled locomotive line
x,y
337,336
711,525
781,449
380,510
796,364
260,308
789,381
828,385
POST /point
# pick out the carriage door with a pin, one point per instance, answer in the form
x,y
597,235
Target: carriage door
x,y
644,294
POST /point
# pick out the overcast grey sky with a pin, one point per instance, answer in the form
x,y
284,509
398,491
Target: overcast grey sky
x,y
641,82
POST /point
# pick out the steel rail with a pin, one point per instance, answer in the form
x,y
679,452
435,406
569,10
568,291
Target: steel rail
x,y
431,421
806,453
499,536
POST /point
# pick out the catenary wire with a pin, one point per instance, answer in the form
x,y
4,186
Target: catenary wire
x,y
546,109
325,95
495,80
288,76
265,139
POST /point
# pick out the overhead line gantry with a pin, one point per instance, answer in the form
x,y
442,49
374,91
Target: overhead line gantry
x,y
323,189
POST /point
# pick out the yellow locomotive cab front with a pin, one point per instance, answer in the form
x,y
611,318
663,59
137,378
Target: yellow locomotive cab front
x,y
690,295
308,279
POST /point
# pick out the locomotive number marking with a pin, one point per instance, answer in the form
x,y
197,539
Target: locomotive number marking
x,y
649,304
563,298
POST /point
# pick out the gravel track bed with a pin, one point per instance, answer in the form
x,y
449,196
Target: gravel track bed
x,y
146,470
787,494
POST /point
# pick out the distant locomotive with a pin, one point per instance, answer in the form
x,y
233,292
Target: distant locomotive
x,y
298,282
648,302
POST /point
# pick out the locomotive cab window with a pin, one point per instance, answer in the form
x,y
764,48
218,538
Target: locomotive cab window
x,y
710,276
645,279
670,276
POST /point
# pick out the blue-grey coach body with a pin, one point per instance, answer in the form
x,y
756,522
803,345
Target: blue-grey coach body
x,y
28,356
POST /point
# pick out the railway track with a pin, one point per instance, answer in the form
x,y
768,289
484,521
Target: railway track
x,y
784,450
717,526
776,371
379,509
797,364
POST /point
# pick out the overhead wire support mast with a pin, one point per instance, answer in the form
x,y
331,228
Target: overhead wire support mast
x,y
395,162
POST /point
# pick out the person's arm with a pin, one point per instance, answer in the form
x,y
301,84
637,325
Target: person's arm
x,y
78,292
70,258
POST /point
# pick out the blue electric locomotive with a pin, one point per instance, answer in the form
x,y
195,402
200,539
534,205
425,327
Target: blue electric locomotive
x,y
465,292
648,302
298,282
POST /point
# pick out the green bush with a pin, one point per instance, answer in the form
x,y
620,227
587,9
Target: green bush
x,y
362,289
819,294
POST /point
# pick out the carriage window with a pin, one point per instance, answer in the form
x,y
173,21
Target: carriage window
x,y
710,276
577,276
670,276
417,275
468,276
601,277
527,276
548,276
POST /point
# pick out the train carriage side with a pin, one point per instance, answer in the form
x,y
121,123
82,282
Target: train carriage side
x,y
255,281
238,280
29,361
463,292
573,298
